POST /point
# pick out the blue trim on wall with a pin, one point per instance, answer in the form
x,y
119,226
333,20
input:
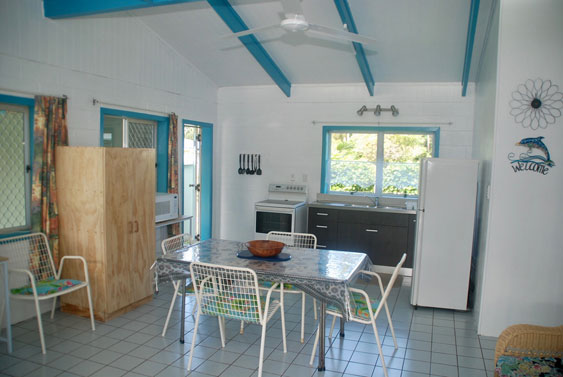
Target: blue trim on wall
x,y
326,141
236,24
161,141
206,176
30,104
346,16
471,29
76,8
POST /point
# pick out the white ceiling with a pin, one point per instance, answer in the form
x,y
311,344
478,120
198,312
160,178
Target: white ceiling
x,y
417,41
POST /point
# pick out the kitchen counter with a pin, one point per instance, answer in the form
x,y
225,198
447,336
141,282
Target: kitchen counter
x,y
363,207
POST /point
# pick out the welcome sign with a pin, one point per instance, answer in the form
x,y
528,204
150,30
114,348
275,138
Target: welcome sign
x,y
536,158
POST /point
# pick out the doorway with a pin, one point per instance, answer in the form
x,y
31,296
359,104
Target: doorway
x,y
197,172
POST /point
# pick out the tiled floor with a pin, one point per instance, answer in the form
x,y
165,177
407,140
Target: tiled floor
x,y
431,342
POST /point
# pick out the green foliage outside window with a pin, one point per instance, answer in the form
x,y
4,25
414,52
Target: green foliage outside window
x,y
354,165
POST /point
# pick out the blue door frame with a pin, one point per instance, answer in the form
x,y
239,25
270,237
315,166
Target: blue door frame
x,y
206,174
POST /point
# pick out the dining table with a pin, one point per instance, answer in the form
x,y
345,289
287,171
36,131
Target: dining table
x,y
324,274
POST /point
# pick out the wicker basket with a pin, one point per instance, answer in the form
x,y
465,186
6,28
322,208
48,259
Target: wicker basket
x,y
265,248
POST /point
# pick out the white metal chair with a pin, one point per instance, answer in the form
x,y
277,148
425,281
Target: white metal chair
x,y
298,240
233,293
33,275
171,245
365,310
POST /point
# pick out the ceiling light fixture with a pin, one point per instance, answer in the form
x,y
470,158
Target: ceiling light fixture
x,y
377,110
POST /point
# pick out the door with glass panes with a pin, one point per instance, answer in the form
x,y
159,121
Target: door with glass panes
x,y
192,179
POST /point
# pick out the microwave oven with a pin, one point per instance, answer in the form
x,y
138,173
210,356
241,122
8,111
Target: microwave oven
x,y
166,207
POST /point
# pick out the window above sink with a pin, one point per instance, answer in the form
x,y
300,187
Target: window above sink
x,y
375,161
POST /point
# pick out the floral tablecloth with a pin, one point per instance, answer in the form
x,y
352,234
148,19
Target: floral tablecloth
x,y
323,274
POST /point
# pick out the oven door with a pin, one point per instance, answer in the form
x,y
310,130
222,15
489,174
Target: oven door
x,y
269,219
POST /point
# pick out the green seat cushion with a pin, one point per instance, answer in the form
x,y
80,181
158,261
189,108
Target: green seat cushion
x,y
513,366
359,306
240,307
46,287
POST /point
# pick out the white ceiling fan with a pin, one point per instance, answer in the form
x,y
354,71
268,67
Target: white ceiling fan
x,y
295,21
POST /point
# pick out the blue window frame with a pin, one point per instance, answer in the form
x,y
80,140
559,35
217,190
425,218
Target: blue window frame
x,y
161,141
8,228
375,161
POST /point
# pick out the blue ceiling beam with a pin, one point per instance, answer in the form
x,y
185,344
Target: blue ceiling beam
x,y
77,8
236,24
346,17
471,29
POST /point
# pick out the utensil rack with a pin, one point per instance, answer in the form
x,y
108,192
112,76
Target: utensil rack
x,y
249,164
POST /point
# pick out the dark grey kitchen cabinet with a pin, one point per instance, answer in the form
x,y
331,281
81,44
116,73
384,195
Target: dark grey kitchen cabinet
x,y
383,236
322,222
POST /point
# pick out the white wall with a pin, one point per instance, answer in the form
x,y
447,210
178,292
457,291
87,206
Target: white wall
x,y
262,120
117,60
485,101
522,280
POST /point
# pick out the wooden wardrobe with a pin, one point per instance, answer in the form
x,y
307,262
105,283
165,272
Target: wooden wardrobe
x,y
106,201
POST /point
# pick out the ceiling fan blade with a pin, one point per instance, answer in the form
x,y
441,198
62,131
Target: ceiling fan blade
x,y
291,7
340,34
250,31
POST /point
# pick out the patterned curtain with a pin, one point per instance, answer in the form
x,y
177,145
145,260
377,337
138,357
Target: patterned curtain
x,y
173,229
49,131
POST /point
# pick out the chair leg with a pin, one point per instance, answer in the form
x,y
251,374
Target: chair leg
x,y
193,341
53,307
332,326
282,312
262,341
391,325
222,330
315,346
40,325
176,287
379,349
302,317
90,307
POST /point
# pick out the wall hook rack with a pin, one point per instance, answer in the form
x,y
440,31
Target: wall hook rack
x,y
377,110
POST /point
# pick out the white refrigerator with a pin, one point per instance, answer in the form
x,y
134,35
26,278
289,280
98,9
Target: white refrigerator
x,y
444,234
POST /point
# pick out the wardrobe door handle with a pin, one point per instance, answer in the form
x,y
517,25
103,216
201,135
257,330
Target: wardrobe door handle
x,y
136,226
322,226
372,230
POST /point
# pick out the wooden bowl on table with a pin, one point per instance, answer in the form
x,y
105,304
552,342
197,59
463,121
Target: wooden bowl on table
x,y
265,248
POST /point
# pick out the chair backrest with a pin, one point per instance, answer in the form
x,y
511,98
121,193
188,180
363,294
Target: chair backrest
x,y
28,252
304,240
393,279
176,243
230,292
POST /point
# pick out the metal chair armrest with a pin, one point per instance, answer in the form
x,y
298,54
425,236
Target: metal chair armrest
x,y
84,263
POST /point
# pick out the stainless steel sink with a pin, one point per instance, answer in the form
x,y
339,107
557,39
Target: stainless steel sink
x,y
366,206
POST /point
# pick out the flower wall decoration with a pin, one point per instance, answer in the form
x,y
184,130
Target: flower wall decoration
x,y
536,103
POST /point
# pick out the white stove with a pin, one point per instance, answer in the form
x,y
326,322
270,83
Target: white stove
x,y
285,210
